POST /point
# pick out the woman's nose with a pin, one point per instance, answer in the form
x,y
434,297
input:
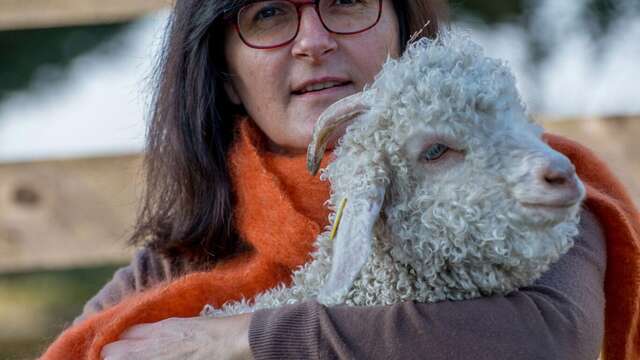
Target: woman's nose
x,y
313,41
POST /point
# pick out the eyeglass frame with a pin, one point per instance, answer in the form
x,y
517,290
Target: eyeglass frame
x,y
298,5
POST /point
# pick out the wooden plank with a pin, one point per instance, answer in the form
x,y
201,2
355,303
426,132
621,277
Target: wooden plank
x,y
25,14
60,214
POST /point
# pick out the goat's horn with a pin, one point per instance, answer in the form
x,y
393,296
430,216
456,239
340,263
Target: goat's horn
x,y
336,116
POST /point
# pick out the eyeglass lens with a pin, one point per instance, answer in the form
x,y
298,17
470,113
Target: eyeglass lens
x,y
275,22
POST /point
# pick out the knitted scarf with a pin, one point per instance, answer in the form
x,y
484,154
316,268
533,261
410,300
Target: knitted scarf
x,y
279,212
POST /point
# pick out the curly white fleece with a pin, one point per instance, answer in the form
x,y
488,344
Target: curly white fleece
x,y
452,234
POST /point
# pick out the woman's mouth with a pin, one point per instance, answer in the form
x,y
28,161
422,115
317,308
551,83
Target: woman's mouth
x,y
318,88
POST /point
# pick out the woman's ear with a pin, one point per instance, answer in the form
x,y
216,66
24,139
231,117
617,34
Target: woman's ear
x,y
230,89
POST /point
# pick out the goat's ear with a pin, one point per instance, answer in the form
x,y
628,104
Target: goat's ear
x,y
353,242
331,122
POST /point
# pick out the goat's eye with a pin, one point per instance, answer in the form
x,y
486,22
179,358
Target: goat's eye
x,y
434,152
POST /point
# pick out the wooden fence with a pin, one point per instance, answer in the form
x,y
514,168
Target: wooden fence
x,y
24,14
71,213
58,214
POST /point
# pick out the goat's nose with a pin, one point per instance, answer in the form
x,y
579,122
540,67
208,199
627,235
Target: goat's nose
x,y
557,173
558,179
547,179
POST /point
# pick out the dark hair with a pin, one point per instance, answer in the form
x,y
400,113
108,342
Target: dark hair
x,y
186,211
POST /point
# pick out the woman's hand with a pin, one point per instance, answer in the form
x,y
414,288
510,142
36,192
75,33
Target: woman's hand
x,y
181,338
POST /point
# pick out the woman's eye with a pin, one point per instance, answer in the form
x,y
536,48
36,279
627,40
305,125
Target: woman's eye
x,y
267,13
434,152
345,2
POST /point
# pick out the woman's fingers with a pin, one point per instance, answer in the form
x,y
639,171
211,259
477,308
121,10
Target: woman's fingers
x,y
179,338
124,349
173,328
153,348
141,331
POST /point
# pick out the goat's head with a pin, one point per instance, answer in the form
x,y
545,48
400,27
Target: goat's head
x,y
443,139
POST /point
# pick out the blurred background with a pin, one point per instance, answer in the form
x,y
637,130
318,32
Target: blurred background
x,y
74,93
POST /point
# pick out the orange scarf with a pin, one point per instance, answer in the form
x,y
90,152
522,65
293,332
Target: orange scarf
x,y
280,211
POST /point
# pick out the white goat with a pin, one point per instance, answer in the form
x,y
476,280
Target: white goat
x,y
451,192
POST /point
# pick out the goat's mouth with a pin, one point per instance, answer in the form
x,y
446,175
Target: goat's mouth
x,y
548,206
544,214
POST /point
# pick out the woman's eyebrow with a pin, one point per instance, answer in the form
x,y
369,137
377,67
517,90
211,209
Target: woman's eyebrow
x,y
233,6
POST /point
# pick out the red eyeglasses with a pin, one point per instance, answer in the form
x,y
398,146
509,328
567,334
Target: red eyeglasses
x,y
273,23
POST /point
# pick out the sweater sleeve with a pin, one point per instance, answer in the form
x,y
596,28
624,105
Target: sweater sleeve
x,y
561,316
145,270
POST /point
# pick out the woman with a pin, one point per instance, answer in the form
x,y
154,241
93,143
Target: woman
x,y
238,96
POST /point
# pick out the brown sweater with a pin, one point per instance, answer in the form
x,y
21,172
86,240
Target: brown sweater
x,y
560,317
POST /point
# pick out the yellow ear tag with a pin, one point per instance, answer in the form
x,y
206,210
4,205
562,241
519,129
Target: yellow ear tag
x,y
336,223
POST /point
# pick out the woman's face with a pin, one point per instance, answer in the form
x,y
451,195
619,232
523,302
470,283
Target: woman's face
x,y
269,83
